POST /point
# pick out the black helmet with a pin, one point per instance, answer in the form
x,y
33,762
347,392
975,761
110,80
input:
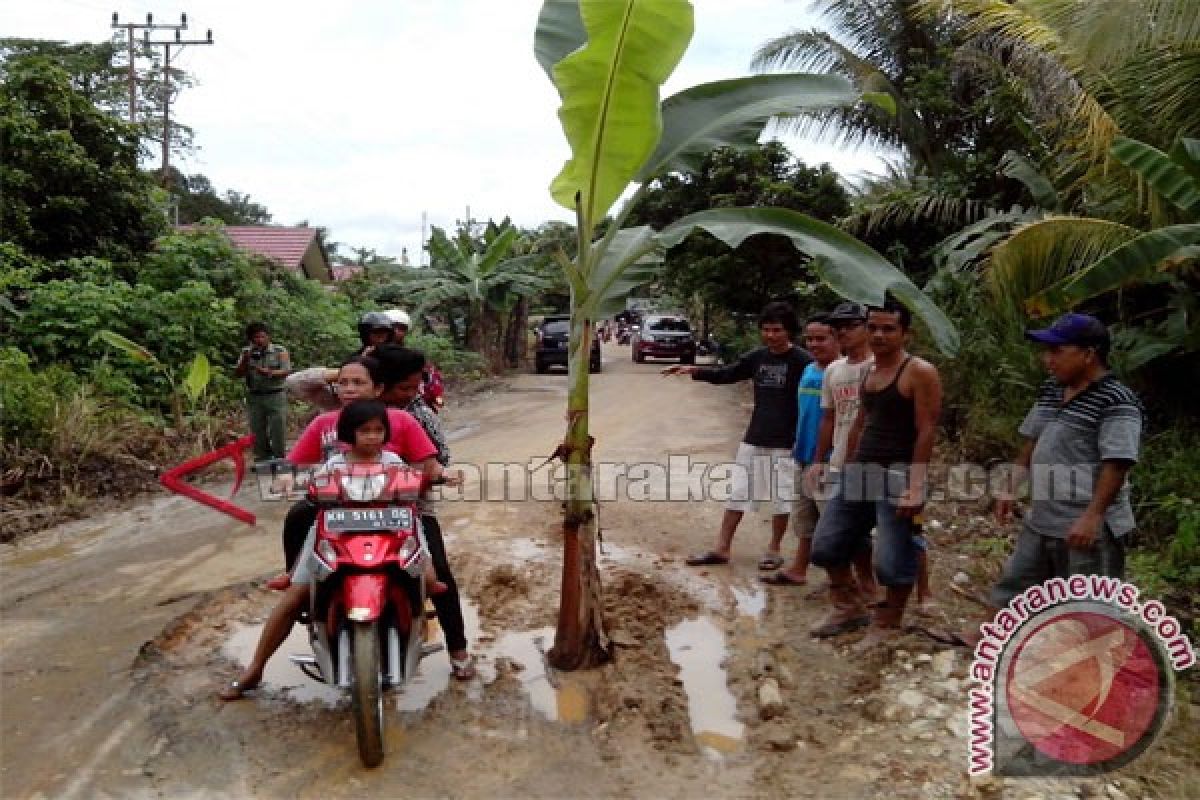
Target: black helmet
x,y
373,321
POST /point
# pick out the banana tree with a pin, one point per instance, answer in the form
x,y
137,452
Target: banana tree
x,y
193,385
478,275
608,60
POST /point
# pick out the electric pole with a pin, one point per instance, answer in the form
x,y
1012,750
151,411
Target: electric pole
x,y
179,43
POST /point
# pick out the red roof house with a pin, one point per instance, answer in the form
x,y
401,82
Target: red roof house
x,y
294,248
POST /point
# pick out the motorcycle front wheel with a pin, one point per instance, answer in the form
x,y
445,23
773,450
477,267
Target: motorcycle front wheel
x,y
367,692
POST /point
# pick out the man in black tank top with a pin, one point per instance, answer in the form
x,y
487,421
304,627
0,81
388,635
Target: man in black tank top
x,y
884,482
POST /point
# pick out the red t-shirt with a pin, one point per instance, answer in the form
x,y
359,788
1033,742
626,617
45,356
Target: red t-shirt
x,y
408,439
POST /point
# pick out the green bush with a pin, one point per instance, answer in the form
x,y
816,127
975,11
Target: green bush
x,y
990,385
455,364
62,317
28,399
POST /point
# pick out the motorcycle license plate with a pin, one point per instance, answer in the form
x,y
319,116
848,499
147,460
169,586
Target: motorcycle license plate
x,y
343,520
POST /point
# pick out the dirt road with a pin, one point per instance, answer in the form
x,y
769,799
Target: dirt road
x,y
118,630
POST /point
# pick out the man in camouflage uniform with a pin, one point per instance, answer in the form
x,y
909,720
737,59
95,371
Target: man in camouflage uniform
x,y
265,366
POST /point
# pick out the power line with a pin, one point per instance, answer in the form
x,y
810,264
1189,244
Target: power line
x,y
178,42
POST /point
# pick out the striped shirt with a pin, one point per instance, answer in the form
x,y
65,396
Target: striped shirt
x,y
1072,439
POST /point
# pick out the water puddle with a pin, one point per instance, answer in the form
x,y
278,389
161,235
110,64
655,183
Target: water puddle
x,y
524,550
562,699
750,602
697,646
64,543
26,557
432,678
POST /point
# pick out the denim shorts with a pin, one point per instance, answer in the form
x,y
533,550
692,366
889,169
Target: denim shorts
x,y
864,500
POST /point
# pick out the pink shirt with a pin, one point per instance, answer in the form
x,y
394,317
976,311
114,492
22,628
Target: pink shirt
x,y
408,439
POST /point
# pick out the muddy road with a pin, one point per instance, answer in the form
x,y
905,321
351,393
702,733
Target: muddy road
x,y
118,630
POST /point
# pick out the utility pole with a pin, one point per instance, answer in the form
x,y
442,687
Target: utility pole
x,y
179,42
130,27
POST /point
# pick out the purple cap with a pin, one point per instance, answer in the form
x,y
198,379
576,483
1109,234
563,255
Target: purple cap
x,y
1082,330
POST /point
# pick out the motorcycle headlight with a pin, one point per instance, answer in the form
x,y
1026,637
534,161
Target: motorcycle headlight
x,y
363,488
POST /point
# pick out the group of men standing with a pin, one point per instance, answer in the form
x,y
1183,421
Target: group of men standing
x,y
855,415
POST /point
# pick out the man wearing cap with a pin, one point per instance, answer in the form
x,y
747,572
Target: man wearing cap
x,y
1081,437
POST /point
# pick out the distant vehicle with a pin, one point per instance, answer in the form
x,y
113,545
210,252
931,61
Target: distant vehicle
x,y
664,336
552,336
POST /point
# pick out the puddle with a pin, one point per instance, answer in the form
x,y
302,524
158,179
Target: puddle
x,y
750,602
697,646
65,543
432,678
281,674
525,550
568,702
26,557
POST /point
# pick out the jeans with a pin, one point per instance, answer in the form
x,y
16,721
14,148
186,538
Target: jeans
x,y
1036,559
855,506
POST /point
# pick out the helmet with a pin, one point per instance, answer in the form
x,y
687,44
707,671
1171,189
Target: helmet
x,y
399,317
373,321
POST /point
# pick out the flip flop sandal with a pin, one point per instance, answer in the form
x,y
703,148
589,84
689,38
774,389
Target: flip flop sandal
x,y
462,669
236,690
770,561
831,629
952,638
781,579
706,559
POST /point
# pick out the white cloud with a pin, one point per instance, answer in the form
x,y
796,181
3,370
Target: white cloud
x,y
360,116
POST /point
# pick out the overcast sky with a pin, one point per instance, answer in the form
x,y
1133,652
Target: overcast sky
x,y
360,115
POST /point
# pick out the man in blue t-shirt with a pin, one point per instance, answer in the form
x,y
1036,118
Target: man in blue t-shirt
x,y
821,341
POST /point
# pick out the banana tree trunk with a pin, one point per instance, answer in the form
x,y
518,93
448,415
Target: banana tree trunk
x,y
579,641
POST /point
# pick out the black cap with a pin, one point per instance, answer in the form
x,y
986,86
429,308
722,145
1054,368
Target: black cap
x,y
849,312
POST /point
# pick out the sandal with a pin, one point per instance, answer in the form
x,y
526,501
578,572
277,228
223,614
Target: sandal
x,y
236,690
770,561
462,669
706,559
781,579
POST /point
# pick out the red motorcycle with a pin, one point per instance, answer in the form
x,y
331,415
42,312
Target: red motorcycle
x,y
367,590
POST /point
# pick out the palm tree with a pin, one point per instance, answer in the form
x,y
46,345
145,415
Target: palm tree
x,y
1092,70
950,116
884,47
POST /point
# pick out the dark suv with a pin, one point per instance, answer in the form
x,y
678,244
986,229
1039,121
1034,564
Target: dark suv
x,y
552,336
664,336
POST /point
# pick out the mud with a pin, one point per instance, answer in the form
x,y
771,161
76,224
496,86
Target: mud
x,y
118,631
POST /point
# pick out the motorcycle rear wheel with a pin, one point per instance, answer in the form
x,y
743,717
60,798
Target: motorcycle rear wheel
x,y
366,694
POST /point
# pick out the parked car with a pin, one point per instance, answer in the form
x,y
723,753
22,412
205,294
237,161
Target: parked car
x,y
664,336
552,336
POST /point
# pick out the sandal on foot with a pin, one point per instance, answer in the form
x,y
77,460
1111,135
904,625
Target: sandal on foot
x,y
236,690
462,669
770,561
831,629
782,579
706,559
